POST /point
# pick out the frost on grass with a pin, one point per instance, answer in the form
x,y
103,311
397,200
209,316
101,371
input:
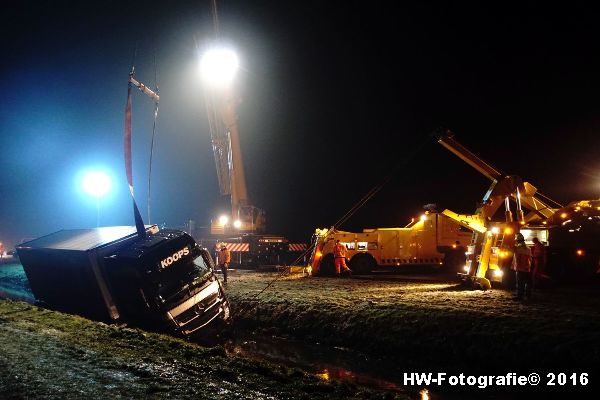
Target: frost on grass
x,y
45,354
424,324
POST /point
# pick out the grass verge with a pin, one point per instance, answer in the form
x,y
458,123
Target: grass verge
x,y
433,326
46,354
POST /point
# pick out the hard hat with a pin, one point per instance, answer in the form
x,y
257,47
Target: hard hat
x,y
223,245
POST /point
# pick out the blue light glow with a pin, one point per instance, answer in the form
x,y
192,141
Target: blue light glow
x,y
96,183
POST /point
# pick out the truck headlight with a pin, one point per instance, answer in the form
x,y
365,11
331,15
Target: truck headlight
x,y
466,268
498,273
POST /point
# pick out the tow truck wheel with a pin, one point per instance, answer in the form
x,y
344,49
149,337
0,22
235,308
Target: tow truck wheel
x,y
362,264
327,267
483,284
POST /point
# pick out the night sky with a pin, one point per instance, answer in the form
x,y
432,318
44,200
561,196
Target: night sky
x,y
334,95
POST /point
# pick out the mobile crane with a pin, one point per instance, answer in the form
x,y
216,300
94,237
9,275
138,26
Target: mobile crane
x,y
224,131
243,231
490,252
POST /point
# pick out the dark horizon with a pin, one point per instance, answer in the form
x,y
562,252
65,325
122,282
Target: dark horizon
x,y
333,96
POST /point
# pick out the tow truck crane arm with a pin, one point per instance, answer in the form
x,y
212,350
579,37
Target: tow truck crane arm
x,y
473,222
447,140
502,189
503,186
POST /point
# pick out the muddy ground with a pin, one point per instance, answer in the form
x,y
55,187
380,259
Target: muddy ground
x,y
416,325
428,325
45,354
50,355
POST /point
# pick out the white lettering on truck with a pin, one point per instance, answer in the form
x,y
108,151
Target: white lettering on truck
x,y
176,256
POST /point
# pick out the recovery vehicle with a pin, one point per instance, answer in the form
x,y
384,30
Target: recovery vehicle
x,y
161,281
570,233
425,241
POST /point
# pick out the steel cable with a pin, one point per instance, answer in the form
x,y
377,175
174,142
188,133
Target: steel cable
x,y
153,135
368,196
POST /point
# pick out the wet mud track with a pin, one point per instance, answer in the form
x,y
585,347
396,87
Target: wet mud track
x,y
45,354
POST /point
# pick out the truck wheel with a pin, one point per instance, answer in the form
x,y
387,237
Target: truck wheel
x,y
362,263
327,267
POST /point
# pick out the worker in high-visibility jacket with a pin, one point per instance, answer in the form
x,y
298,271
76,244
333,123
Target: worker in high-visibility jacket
x,y
522,267
224,260
339,254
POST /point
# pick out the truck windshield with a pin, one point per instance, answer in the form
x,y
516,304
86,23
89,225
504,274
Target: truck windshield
x,y
181,278
200,262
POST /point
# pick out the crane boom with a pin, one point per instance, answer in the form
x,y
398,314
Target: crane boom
x,y
491,241
447,140
503,186
225,138
220,145
239,192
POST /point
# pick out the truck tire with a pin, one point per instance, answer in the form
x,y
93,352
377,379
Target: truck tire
x,y
327,267
362,264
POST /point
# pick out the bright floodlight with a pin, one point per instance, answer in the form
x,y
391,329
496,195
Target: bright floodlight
x,y
237,224
218,66
223,219
96,183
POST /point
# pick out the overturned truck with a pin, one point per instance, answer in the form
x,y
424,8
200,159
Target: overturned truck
x,y
163,281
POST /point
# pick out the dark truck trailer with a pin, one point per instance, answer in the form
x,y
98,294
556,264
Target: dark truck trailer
x,y
162,282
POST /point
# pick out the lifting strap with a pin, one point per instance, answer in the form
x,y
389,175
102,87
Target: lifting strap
x,y
139,223
156,99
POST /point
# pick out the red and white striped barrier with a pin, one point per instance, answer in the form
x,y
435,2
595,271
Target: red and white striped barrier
x,y
246,246
238,246
297,246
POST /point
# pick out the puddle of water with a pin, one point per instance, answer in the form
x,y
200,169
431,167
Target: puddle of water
x,y
341,364
328,363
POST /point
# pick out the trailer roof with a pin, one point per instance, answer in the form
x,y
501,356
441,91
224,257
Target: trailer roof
x,y
80,239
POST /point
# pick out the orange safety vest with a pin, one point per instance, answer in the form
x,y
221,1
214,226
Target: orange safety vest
x,y
339,250
224,256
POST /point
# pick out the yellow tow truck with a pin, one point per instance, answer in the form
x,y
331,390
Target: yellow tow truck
x,y
425,241
489,254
